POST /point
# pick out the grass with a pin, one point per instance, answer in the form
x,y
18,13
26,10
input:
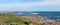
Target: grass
x,y
9,18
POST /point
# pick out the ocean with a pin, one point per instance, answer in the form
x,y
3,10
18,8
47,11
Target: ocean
x,y
49,15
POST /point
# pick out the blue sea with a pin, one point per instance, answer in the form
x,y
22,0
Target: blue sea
x,y
49,15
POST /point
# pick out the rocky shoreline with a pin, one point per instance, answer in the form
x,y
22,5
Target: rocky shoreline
x,y
40,19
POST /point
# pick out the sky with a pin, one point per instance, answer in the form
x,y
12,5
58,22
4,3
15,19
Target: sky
x,y
29,5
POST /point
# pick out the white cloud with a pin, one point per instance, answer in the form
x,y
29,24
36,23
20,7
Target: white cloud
x,y
51,0
42,3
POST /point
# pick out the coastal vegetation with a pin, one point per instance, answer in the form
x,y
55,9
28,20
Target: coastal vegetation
x,y
9,19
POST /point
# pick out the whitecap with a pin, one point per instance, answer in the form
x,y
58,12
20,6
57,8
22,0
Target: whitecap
x,y
20,13
34,13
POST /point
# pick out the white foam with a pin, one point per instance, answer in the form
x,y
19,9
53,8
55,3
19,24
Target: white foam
x,y
20,13
34,13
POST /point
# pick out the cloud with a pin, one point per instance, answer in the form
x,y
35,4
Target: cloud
x,y
42,3
51,0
